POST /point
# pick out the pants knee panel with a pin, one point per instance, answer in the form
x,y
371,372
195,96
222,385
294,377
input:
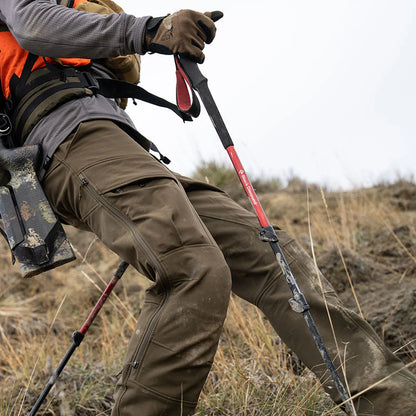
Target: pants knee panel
x,y
200,270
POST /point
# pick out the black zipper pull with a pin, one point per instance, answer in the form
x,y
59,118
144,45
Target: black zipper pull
x,y
162,158
84,182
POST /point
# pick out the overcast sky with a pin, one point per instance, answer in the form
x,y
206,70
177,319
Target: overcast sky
x,y
323,89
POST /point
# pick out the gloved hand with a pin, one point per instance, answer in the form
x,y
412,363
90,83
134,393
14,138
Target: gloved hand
x,y
184,32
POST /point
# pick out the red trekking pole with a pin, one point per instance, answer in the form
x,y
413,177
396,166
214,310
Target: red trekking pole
x,y
78,336
188,73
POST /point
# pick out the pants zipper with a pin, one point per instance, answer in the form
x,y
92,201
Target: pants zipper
x,y
141,349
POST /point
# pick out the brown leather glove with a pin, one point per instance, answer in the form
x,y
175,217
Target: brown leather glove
x,y
184,32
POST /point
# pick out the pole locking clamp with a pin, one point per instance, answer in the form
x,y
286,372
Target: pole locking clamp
x,y
298,303
268,235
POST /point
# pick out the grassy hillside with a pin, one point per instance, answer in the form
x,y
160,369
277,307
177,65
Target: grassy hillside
x,y
364,241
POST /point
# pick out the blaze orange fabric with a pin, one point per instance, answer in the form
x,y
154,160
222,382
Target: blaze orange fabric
x,y
13,58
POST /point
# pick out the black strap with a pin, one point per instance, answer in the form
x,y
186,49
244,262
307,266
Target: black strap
x,y
81,83
27,69
112,88
162,158
108,87
16,82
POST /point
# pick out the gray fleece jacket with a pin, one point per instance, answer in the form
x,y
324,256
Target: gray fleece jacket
x,y
47,29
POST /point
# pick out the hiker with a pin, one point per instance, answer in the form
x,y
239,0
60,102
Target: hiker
x,y
188,237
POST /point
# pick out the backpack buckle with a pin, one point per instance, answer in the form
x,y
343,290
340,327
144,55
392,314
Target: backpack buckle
x,y
89,81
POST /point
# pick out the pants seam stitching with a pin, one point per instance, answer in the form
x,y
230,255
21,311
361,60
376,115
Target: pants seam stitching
x,y
161,395
170,252
256,228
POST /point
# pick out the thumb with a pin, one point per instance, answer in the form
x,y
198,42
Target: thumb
x,y
214,16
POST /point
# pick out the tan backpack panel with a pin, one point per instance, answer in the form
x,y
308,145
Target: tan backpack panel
x,y
126,68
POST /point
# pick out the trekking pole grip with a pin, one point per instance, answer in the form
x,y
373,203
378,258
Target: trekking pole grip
x,y
189,66
191,72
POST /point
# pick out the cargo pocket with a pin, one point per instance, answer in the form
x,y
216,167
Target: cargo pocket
x,y
121,169
113,176
145,202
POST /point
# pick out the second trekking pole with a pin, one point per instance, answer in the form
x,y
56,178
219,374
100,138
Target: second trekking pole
x,y
78,336
188,71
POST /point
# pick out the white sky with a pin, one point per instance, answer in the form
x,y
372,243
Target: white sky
x,y
324,89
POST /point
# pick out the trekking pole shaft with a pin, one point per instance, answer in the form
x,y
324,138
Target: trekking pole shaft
x,y
245,181
200,84
120,271
298,302
78,336
214,114
53,379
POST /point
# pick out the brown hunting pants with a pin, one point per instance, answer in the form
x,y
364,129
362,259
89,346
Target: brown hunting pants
x,y
196,245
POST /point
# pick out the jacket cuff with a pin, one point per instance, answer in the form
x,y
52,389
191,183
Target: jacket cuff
x,y
136,33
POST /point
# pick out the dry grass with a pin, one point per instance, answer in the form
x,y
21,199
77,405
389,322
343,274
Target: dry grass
x,y
253,374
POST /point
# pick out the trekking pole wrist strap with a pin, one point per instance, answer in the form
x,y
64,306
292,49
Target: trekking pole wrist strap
x,y
186,99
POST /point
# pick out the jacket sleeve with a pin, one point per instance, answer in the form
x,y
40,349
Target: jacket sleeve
x,y
45,28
